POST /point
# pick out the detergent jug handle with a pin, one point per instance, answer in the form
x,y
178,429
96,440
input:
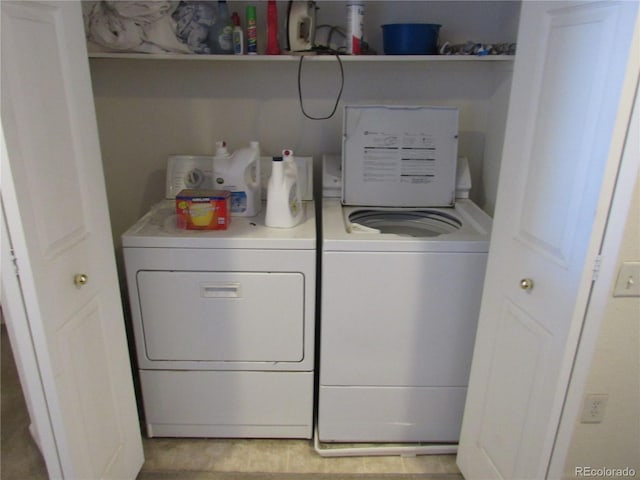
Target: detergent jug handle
x,y
253,181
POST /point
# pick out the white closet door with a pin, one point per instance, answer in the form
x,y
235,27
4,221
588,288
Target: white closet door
x,y
55,203
566,102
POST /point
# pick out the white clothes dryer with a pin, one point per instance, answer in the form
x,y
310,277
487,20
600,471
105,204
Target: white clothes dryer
x,y
223,323
401,285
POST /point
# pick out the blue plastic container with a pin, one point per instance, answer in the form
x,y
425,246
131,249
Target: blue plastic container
x,y
410,38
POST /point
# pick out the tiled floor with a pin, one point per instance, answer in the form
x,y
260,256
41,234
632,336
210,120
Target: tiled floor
x,y
210,459
285,456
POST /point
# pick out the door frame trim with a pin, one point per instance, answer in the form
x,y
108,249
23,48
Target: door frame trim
x,y
19,326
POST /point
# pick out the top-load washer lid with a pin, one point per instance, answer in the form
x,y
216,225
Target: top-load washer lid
x,y
410,223
399,156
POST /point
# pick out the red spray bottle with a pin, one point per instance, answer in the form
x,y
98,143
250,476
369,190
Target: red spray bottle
x,y
273,48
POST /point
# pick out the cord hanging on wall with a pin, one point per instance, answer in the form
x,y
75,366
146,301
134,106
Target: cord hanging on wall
x,y
335,107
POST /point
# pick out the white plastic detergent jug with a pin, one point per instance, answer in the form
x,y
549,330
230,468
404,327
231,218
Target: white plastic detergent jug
x,y
240,174
284,204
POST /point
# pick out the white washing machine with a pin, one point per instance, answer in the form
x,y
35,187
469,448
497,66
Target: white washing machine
x,y
403,266
223,321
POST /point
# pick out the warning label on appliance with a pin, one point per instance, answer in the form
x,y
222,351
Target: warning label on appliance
x,y
404,158
395,156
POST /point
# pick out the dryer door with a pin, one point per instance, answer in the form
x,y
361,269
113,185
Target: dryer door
x,y
222,316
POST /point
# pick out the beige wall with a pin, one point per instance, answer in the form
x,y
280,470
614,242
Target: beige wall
x,y
150,109
615,370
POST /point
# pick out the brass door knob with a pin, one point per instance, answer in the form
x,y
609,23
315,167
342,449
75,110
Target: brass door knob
x,y
80,279
526,284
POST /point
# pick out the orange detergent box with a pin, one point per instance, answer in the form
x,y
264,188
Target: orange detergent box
x,y
203,209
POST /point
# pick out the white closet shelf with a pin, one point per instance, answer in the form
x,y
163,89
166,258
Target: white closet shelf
x,y
292,58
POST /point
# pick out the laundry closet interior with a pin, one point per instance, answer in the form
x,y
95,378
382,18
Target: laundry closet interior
x,y
152,106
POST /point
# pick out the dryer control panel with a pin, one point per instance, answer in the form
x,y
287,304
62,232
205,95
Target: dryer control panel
x,y
196,171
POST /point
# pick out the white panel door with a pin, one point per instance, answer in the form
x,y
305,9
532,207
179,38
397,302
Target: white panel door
x,y
55,202
565,102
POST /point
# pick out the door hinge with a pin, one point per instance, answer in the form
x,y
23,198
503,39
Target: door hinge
x,y
14,260
596,268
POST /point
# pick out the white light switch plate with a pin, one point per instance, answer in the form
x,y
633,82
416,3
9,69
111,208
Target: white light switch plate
x,y
628,284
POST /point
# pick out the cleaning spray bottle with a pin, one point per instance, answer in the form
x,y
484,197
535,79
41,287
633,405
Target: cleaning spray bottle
x,y
238,35
284,204
252,31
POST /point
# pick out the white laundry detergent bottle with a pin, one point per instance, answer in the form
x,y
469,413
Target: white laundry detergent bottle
x,y
239,173
284,204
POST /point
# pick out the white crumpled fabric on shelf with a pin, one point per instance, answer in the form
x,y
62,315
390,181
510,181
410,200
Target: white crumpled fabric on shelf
x,y
193,20
145,27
